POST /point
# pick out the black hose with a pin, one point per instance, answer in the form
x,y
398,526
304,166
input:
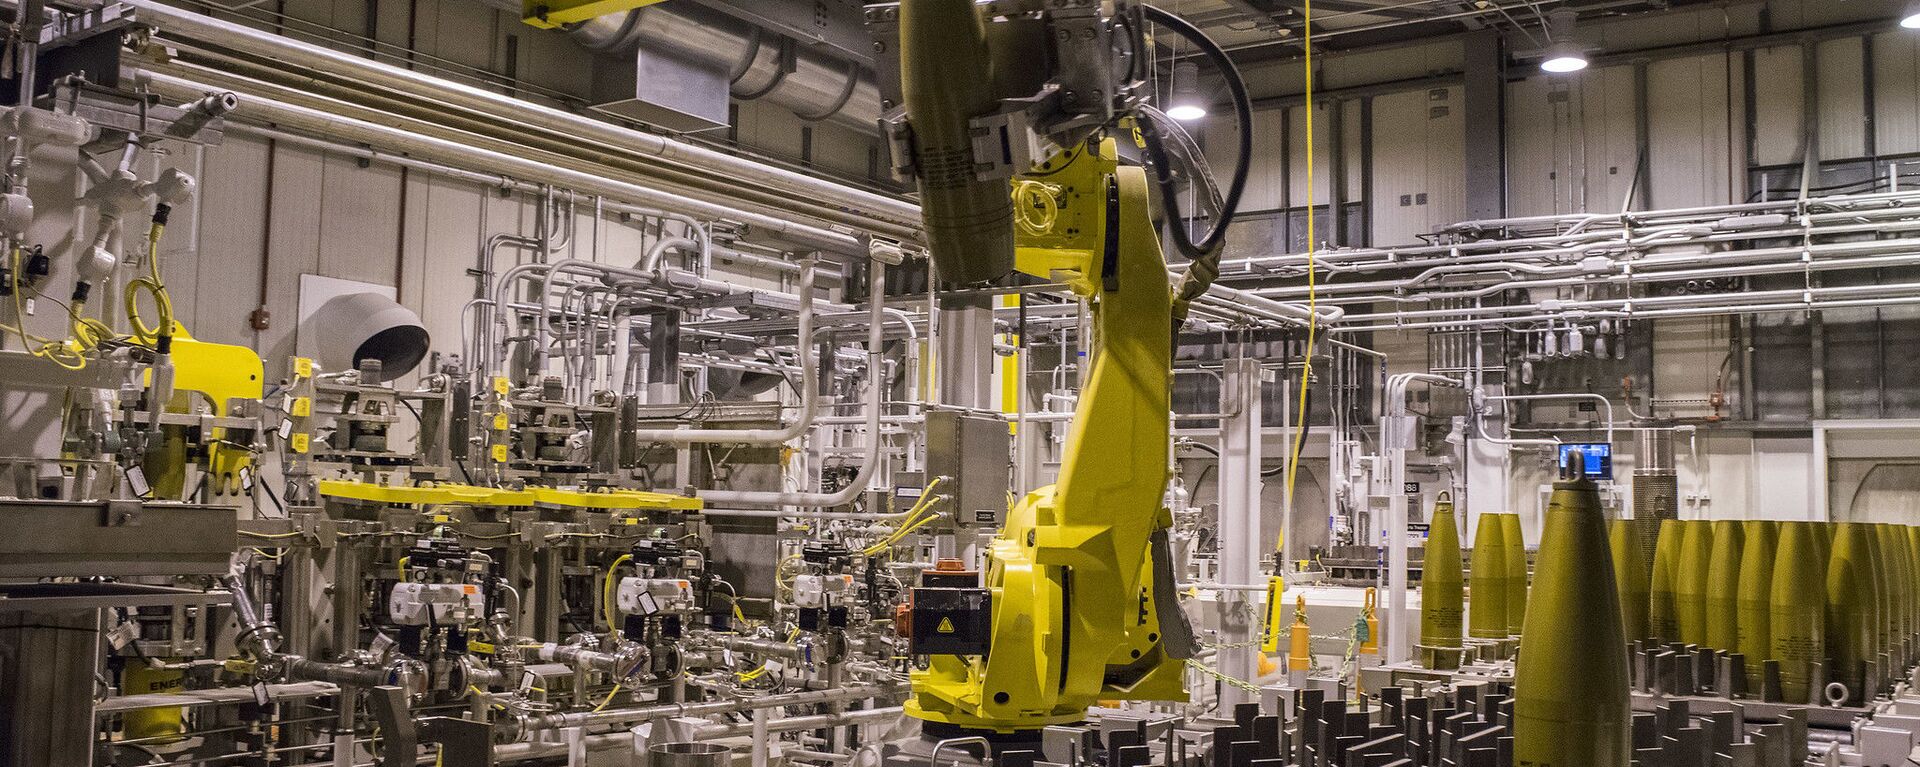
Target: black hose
x,y
1203,446
1204,254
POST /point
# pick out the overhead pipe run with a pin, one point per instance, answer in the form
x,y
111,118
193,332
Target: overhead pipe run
x,y
876,393
315,121
863,209
809,389
1579,236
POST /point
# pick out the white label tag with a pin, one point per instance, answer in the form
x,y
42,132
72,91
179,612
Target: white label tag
x,y
774,667
647,605
29,307
137,481
123,635
380,644
286,427
246,480
726,657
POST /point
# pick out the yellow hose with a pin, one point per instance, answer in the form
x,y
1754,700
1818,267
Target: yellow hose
x,y
606,590
1313,316
153,286
609,698
57,352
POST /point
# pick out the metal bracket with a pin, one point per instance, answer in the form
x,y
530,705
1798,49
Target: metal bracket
x,y
899,135
124,513
400,742
463,742
1008,142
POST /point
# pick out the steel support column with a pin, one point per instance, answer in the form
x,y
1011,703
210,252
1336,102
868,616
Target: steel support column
x,y
1240,535
1485,155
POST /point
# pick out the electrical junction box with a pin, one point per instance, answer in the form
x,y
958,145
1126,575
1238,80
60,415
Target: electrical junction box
x,y
975,455
420,604
817,591
646,596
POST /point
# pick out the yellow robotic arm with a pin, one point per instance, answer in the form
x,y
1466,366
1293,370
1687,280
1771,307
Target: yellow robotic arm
x,y
1005,129
1076,615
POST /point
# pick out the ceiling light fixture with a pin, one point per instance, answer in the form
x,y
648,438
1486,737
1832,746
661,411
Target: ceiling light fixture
x,y
1562,58
1186,103
1565,54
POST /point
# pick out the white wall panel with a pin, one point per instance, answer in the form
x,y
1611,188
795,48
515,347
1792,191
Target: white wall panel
x,y
1322,154
550,60
1266,177
293,243
1642,31
1571,143
1843,98
1399,167
1607,123
459,31
840,149
359,220
1778,115
1692,131
1532,137
1896,92
1419,176
1446,126
226,287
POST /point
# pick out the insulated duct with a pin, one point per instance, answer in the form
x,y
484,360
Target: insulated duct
x,y
688,59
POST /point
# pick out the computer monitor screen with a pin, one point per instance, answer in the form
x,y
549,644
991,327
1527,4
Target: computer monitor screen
x,y
1594,459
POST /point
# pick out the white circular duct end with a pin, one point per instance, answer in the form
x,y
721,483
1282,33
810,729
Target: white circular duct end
x,y
361,326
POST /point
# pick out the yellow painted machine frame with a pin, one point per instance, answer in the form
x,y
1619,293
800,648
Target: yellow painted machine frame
x,y
221,373
444,494
552,14
1074,617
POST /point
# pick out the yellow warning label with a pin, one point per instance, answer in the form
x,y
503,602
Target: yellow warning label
x,y
945,627
499,453
298,441
301,407
303,367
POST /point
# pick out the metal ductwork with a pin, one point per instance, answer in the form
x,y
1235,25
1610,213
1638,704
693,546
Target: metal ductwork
x,y
355,328
687,60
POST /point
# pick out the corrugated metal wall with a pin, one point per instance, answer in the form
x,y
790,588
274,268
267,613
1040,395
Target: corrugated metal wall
x,y
1694,131
1571,142
1419,176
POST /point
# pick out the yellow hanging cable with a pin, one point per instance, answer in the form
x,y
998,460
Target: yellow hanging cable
x,y
609,699
1313,316
57,352
152,285
910,522
606,591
